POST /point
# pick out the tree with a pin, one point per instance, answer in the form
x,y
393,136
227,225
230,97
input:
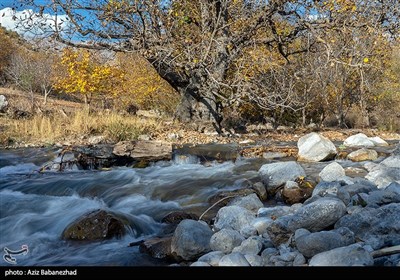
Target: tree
x,y
87,76
196,45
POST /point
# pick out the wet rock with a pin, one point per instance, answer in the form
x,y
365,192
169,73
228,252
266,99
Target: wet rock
x,y
250,202
191,239
260,191
224,197
315,216
378,227
158,248
251,246
3,103
225,240
234,259
332,172
177,216
358,140
274,175
310,244
233,217
353,255
143,150
212,258
96,225
209,152
315,147
363,155
292,193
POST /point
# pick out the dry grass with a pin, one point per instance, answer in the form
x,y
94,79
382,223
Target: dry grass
x,y
81,124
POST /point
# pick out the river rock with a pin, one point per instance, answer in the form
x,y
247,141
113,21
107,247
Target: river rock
x,y
378,141
248,231
382,197
250,202
254,260
363,155
224,197
260,191
3,103
233,217
353,255
274,212
250,246
386,172
177,216
96,225
292,193
158,248
332,172
359,188
212,258
261,224
225,240
323,188
234,259
394,187
358,140
191,239
274,175
267,254
200,264
143,150
378,227
310,244
315,216
315,147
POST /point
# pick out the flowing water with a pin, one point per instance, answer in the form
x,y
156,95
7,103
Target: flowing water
x,y
36,208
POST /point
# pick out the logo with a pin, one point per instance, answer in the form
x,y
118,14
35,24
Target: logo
x,y
9,254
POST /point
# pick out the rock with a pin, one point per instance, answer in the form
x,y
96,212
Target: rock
x,y
274,212
299,260
234,259
394,187
200,264
210,152
250,246
382,197
158,248
260,191
3,103
332,172
315,147
248,231
313,243
386,172
261,224
177,216
363,155
96,225
274,155
353,255
143,150
225,240
233,217
324,188
292,193
378,141
144,137
315,216
358,188
191,239
358,140
212,258
267,254
377,227
254,260
250,202
224,197
95,140
274,175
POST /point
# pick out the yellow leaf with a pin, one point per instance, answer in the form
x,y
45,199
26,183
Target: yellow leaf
x,y
366,60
